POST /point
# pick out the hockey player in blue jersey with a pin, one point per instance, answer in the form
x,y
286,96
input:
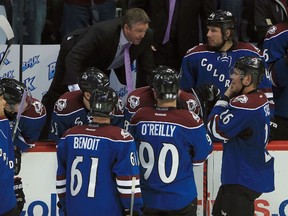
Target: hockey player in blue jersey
x,y
32,117
8,203
210,63
241,119
169,142
144,97
96,164
31,121
72,108
275,49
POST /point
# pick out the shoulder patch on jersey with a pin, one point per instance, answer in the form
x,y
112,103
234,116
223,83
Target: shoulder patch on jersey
x,y
134,101
125,133
196,117
272,30
38,106
250,101
61,104
192,105
242,99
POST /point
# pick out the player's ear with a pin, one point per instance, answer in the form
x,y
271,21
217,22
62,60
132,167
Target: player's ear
x,y
227,34
87,95
247,80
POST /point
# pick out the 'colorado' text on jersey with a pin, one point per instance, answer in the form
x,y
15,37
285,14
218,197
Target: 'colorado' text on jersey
x,y
201,66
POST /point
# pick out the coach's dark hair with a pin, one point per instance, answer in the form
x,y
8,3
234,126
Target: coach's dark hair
x,y
135,15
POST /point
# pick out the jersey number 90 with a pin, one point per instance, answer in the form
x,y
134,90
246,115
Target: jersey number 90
x,y
149,164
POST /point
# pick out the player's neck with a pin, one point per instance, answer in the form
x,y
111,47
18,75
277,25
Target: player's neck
x,y
165,103
227,45
101,120
248,89
86,103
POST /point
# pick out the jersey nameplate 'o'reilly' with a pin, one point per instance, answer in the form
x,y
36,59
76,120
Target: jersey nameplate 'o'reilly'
x,y
158,130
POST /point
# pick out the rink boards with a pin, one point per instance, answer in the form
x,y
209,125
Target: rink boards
x,y
39,173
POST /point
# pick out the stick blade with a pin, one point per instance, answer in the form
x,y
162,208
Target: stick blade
x,y
6,27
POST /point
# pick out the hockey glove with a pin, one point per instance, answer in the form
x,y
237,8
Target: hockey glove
x,y
20,196
208,92
208,95
17,161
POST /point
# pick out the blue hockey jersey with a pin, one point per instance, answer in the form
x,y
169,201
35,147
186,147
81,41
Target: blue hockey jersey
x,y
169,142
201,66
31,122
70,111
144,97
243,125
7,194
275,52
95,166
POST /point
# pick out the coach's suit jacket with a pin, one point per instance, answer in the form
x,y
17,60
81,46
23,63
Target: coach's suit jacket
x,y
98,48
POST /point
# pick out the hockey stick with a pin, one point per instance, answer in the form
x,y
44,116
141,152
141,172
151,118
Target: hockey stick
x,y
205,170
20,110
198,101
203,114
132,195
7,29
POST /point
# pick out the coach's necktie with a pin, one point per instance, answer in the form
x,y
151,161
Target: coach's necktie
x,y
128,72
168,28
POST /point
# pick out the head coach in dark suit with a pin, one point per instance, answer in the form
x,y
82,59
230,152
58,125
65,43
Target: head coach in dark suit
x,y
102,47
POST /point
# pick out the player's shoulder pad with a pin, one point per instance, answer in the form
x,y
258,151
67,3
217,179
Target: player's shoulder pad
x,y
189,101
181,117
110,132
276,30
247,46
249,101
197,49
140,97
117,133
35,110
68,102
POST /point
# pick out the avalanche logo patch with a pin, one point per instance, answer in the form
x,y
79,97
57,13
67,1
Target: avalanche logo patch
x,y
272,30
191,104
242,99
124,133
134,101
61,104
195,116
38,107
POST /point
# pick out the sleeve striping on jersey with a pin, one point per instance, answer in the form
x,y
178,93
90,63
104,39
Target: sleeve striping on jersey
x,y
126,183
212,127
